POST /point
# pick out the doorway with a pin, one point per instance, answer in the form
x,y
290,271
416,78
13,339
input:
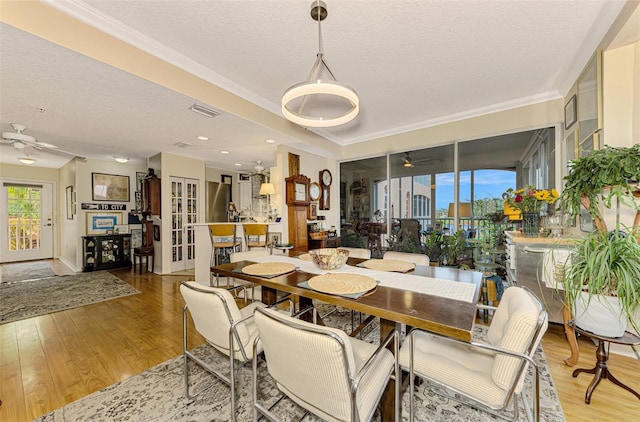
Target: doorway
x,y
26,222
185,203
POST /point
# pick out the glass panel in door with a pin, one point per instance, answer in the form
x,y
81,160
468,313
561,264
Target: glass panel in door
x,y
27,222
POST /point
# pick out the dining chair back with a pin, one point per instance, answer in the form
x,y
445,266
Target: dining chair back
x,y
323,370
256,235
223,241
360,253
248,255
415,258
224,326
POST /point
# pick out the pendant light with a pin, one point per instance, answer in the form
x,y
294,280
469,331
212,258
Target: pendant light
x,y
334,104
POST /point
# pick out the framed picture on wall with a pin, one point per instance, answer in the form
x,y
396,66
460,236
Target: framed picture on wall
x,y
312,211
275,238
71,202
100,222
139,179
156,233
570,112
136,238
109,187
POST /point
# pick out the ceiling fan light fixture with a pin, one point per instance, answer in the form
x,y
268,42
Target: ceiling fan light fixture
x,y
314,87
27,160
407,161
121,160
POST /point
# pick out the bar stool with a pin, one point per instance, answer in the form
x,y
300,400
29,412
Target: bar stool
x,y
223,241
256,235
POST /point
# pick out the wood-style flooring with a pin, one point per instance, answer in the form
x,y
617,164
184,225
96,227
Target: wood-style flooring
x,y
51,360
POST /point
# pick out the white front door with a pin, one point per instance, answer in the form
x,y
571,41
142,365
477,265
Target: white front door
x,y
26,222
184,210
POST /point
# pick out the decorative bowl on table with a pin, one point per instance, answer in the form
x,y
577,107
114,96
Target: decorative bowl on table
x,y
329,258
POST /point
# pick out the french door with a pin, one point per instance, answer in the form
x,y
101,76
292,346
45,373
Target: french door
x,y
184,210
26,222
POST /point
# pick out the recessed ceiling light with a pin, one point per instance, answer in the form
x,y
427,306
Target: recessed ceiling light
x,y
224,152
203,138
121,160
27,160
238,165
270,141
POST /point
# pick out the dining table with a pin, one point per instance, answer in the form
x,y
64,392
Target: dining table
x,y
435,299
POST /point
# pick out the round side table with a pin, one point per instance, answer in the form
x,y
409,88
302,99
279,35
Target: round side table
x,y
601,371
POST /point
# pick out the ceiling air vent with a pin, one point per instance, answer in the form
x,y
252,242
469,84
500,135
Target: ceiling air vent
x,y
182,144
200,109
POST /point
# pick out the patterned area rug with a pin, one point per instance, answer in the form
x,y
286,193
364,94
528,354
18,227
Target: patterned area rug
x,y
12,273
48,295
158,395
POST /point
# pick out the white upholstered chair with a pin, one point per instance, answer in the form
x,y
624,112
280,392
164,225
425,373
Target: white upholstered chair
x,y
227,328
361,253
334,376
488,376
249,255
416,258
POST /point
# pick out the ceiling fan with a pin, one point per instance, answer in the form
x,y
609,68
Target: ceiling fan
x,y
21,141
409,162
259,169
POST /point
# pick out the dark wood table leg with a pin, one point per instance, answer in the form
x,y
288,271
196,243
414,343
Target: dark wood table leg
x,y
601,371
388,400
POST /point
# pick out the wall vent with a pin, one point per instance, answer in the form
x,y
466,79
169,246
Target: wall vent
x,y
205,111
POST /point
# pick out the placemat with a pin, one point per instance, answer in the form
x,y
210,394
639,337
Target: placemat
x,y
389,265
269,269
342,283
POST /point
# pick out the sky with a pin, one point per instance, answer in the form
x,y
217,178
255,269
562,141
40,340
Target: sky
x,y
488,184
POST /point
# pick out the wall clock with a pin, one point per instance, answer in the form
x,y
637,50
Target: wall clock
x,y
325,187
314,191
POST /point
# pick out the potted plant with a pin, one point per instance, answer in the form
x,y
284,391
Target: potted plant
x,y
529,201
452,247
601,282
597,179
603,274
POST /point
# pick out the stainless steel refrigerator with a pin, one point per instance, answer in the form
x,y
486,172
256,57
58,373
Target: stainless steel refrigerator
x,y
217,196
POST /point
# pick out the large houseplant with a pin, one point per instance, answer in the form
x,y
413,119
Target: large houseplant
x,y
605,264
605,175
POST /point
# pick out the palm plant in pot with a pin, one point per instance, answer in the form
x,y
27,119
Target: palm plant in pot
x,y
603,275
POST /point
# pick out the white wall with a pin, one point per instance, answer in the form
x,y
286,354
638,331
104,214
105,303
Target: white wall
x,y
172,165
70,254
621,96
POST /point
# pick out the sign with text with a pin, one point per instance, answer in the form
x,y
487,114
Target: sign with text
x,y
103,207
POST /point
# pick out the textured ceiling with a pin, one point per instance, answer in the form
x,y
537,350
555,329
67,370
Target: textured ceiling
x,y
413,63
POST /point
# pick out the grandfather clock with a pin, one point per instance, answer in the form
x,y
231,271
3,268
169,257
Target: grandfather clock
x,y
297,198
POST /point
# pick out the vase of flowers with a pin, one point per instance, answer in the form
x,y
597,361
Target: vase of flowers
x,y
529,201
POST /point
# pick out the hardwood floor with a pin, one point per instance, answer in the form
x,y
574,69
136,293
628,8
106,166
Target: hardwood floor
x,y
48,361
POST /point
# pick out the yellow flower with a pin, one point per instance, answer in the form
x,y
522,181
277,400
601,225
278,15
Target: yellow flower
x,y
518,192
555,193
541,195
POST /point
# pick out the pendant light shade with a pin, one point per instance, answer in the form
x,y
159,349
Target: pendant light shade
x,y
317,102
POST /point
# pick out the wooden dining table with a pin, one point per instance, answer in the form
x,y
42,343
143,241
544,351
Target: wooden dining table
x,y
394,307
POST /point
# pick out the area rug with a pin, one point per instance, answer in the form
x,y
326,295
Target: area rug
x,y
39,297
12,273
158,395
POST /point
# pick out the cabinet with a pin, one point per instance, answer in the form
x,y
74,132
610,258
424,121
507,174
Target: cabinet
x,y
329,242
106,252
151,195
525,268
